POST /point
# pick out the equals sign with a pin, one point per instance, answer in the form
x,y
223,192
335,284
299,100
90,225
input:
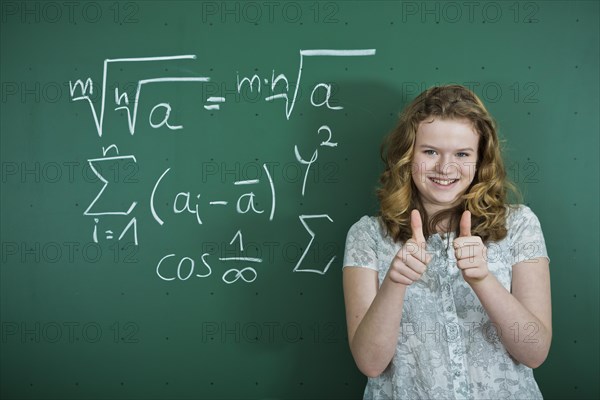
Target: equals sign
x,y
214,100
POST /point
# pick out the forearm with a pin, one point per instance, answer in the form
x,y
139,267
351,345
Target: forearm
x,y
374,342
520,331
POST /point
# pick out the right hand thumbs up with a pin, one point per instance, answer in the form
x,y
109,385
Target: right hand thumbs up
x,y
411,260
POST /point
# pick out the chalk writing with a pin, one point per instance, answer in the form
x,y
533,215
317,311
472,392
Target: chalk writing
x,y
193,202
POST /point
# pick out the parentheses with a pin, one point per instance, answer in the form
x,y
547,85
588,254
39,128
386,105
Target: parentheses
x,y
154,214
272,192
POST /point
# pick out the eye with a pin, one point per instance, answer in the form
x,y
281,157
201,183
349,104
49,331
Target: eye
x,y
429,152
462,154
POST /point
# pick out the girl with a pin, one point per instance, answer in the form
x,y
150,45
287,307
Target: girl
x,y
447,290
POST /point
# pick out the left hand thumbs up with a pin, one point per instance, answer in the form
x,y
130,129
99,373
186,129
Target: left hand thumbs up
x,y
470,252
465,224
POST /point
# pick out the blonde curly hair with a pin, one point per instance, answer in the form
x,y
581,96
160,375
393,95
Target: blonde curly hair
x,y
486,196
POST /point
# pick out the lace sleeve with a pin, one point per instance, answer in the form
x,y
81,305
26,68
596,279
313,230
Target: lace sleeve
x,y
527,239
361,245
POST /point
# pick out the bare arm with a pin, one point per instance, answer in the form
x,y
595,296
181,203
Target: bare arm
x,y
373,317
524,317
373,313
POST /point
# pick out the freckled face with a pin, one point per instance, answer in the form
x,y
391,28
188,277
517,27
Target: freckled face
x,y
444,161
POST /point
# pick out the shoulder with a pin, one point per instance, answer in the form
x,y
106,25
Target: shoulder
x,y
367,221
522,222
369,228
518,213
525,235
515,211
363,243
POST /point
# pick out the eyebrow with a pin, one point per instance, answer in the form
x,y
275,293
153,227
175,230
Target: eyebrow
x,y
435,148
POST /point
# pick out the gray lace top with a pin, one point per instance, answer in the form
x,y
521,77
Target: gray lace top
x,y
447,347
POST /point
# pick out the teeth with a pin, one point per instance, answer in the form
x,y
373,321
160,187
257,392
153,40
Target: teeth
x,y
443,182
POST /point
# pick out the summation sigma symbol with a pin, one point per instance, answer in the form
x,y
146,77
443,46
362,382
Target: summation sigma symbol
x,y
187,201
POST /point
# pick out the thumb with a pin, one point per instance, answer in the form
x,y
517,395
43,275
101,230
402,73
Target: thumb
x,y
416,226
465,224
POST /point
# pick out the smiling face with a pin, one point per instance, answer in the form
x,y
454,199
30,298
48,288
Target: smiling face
x,y
444,161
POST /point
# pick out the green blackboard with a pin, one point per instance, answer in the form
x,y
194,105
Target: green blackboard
x,y
178,179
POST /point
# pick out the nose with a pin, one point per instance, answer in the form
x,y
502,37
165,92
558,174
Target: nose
x,y
447,167
442,163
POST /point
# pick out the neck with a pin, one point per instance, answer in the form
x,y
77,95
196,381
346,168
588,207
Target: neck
x,y
443,227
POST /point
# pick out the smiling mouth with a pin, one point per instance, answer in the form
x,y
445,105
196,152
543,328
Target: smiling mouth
x,y
443,182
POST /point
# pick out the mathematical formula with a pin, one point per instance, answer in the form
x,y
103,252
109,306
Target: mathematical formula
x,y
195,203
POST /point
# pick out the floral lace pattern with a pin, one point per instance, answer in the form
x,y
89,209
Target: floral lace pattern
x,y
447,347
